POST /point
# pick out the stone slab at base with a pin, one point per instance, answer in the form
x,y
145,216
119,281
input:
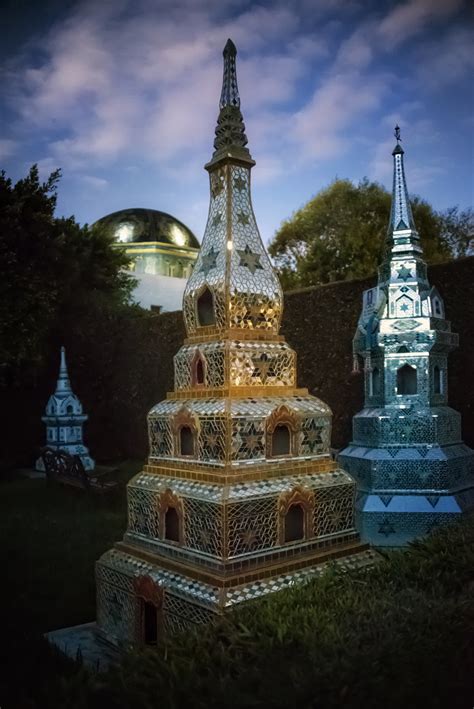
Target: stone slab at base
x,y
86,642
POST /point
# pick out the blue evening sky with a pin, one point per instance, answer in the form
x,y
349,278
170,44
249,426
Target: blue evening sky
x,y
123,96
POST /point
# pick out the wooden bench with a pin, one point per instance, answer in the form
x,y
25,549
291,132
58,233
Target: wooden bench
x,y
68,469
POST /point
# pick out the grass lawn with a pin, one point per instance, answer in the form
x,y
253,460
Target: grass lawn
x,y
51,536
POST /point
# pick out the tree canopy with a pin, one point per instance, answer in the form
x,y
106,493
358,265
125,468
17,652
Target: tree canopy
x,y
339,234
52,270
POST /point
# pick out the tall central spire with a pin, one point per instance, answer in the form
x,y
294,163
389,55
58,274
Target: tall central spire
x,y
230,140
233,285
401,216
403,248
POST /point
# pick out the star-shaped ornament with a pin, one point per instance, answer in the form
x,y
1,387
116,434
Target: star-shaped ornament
x,y
336,517
254,314
211,439
251,439
404,307
386,528
404,273
313,435
243,218
209,261
249,537
249,259
263,367
204,536
240,184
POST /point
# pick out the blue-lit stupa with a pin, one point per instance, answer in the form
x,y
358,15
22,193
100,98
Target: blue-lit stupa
x,y
64,420
412,468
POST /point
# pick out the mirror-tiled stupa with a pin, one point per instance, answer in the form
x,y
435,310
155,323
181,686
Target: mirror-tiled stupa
x,y
64,419
412,468
240,496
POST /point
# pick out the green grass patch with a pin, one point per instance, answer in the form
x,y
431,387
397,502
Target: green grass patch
x,y
398,635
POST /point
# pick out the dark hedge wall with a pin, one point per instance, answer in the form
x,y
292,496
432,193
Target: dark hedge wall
x,y
120,368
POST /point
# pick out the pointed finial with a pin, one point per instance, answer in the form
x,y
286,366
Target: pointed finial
x,y
230,140
63,383
401,216
230,48
230,90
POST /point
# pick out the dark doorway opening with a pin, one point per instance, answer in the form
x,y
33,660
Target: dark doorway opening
x,y
199,372
172,525
281,440
205,308
150,623
294,523
186,442
406,380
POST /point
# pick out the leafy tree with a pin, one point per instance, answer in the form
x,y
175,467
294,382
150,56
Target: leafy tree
x,y
339,235
51,269
457,228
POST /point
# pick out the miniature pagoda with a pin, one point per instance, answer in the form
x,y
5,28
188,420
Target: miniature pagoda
x,y
64,420
412,468
240,496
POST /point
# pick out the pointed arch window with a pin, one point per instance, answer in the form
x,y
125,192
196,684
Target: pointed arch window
x,y
198,370
171,517
296,513
406,380
205,308
282,427
149,610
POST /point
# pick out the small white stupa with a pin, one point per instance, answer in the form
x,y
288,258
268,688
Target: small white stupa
x,y
64,420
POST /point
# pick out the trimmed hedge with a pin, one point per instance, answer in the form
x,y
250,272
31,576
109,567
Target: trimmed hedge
x,y
400,634
121,367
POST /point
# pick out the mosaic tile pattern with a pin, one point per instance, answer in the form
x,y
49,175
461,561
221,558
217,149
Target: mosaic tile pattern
x,y
412,468
240,496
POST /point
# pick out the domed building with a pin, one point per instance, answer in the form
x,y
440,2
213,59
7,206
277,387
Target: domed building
x,y
162,253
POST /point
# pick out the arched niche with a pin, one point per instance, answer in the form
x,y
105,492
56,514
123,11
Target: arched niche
x,y
282,428
205,308
171,517
295,514
186,441
185,428
198,370
437,380
149,610
407,380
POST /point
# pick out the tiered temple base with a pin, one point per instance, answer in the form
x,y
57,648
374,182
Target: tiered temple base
x,y
406,490
188,585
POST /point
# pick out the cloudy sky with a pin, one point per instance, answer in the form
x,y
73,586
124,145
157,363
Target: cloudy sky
x,y
123,96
